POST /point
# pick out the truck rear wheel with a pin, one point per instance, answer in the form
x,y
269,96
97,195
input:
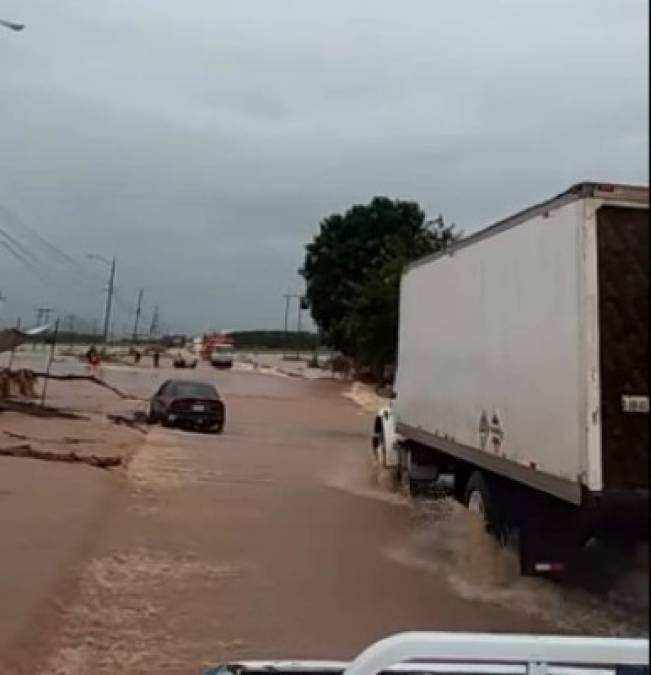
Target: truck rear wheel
x,y
407,485
412,487
480,500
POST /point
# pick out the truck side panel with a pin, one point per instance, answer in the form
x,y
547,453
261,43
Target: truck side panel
x,y
489,346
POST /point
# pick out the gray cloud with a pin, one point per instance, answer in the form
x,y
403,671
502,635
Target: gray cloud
x,y
201,143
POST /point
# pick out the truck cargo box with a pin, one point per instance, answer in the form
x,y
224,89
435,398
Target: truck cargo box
x,y
524,349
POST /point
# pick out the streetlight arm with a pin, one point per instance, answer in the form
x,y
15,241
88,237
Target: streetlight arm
x,y
11,25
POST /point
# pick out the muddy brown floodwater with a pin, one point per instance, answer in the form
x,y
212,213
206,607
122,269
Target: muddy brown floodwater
x,y
275,539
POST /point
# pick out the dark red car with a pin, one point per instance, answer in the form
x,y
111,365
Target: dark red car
x,y
187,403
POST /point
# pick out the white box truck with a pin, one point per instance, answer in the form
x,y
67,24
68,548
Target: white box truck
x,y
523,366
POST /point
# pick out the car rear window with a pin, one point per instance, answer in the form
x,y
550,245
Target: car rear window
x,y
195,390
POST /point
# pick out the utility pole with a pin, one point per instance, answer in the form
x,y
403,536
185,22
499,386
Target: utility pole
x,y
138,310
70,327
42,317
300,311
3,299
109,300
288,298
109,292
53,344
13,349
153,327
302,304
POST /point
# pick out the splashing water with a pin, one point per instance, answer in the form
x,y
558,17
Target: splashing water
x,y
450,540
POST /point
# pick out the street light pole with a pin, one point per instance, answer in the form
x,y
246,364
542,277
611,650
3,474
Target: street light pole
x,y
138,310
109,293
288,299
109,300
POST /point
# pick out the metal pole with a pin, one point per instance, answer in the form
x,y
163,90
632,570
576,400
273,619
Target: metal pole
x,y
288,298
138,310
42,316
71,328
49,362
38,323
153,326
287,301
300,310
109,299
13,349
298,327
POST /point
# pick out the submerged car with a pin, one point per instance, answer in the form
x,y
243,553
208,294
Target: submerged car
x,y
188,403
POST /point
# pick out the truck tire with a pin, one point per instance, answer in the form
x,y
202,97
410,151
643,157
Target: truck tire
x,y
379,443
375,438
381,451
480,500
407,485
410,487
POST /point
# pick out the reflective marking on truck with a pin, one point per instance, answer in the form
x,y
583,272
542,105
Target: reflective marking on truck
x,y
549,567
496,431
635,404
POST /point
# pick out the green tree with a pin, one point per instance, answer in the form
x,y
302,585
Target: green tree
x,y
352,272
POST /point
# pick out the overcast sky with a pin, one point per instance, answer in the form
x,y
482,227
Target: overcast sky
x,y
201,142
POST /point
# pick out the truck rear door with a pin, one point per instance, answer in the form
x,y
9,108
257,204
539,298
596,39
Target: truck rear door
x,y
623,264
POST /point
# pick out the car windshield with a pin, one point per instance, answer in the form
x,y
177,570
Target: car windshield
x,y
194,390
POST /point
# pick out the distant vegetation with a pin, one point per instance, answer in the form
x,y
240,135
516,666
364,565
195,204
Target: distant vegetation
x,y
247,339
275,339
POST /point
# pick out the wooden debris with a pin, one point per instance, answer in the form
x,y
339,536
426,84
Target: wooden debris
x,y
26,451
70,440
94,380
38,410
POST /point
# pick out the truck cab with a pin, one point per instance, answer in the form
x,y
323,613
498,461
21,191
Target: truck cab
x,y
222,356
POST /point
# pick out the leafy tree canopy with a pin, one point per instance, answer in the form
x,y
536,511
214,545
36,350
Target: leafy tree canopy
x,y
352,272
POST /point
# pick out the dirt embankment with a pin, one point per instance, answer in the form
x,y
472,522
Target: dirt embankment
x,y
58,474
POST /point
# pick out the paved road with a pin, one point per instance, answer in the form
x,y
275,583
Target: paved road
x,y
270,540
